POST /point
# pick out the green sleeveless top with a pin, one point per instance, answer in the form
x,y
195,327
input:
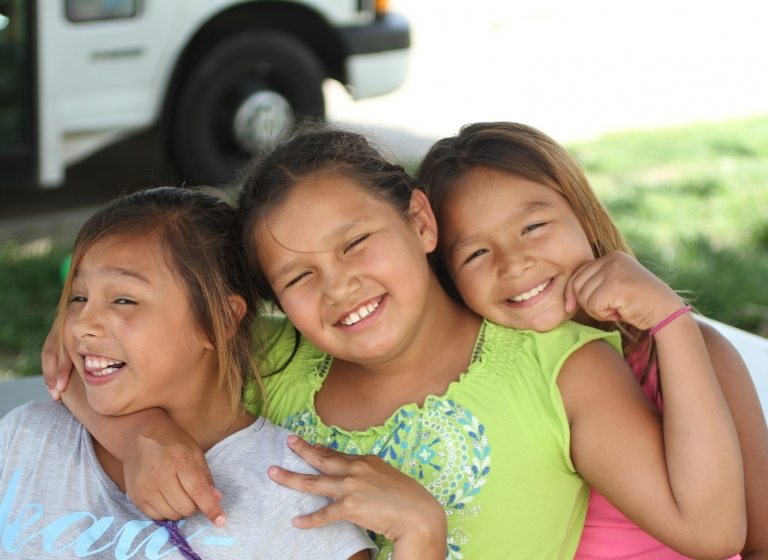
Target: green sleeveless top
x,y
493,450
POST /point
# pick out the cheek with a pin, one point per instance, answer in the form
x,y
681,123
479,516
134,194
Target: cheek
x,y
470,288
292,308
470,276
68,331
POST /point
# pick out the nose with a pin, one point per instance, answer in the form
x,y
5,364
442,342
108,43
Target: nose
x,y
340,283
84,321
515,263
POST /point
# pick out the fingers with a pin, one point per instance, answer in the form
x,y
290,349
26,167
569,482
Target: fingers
x,y
329,514
571,299
159,508
199,493
310,483
324,459
344,498
175,501
591,291
56,366
49,374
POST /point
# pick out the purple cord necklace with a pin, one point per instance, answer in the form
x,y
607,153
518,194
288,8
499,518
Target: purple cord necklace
x,y
178,539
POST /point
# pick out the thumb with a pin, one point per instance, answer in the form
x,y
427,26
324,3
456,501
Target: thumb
x,y
571,301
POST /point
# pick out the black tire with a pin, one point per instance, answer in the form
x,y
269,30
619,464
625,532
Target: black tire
x,y
203,146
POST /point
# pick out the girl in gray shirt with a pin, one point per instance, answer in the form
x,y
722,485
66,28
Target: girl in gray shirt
x,y
156,314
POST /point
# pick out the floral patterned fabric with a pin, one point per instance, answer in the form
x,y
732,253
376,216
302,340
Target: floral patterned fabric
x,y
493,450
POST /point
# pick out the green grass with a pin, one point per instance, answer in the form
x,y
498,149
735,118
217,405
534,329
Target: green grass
x,y
29,292
693,202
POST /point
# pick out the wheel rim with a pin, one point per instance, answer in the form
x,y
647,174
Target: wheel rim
x,y
262,117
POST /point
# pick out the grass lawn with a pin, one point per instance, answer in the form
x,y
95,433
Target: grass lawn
x,y
693,201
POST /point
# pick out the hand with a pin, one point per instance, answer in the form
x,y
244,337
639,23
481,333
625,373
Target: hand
x,y
616,287
167,477
57,366
370,493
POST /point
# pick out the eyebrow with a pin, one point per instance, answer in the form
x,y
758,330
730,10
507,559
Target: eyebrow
x,y
120,271
527,209
129,273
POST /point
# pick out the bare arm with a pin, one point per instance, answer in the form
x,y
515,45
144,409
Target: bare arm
x,y
747,413
166,475
681,483
692,467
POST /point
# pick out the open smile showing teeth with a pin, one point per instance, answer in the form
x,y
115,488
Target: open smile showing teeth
x,y
100,366
361,313
525,296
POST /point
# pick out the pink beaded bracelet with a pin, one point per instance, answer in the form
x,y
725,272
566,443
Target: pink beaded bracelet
x,y
671,317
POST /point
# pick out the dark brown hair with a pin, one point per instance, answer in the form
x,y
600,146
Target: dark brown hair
x,y
314,149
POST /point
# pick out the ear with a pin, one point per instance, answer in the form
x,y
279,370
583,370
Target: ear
x,y
423,219
239,307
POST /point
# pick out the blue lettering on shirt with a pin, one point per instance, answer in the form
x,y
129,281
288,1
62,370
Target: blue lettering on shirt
x,y
84,534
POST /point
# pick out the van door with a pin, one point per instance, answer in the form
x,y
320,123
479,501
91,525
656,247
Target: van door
x,y
18,92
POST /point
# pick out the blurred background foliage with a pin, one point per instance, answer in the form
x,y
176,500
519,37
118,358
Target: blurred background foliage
x,y
693,202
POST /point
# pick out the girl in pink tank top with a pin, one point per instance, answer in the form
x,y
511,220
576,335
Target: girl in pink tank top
x,y
495,273
608,534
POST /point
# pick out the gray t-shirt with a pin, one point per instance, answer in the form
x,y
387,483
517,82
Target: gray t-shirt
x,y
57,501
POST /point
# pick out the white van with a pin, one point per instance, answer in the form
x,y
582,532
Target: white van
x,y
219,77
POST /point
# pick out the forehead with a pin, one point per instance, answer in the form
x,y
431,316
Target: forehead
x,y
484,189
317,211
140,256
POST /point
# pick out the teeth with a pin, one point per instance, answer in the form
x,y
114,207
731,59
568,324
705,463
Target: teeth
x,y
360,313
531,293
99,366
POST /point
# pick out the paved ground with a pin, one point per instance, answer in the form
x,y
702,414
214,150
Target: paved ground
x,y
573,69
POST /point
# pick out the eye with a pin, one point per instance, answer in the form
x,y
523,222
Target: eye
x,y
355,242
531,227
124,301
474,255
78,299
296,279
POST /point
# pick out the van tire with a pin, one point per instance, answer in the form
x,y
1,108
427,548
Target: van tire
x,y
204,149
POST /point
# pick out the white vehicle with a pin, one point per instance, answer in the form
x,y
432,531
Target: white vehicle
x,y
218,77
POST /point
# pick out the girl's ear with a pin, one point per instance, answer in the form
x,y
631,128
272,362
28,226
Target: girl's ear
x,y
239,307
423,219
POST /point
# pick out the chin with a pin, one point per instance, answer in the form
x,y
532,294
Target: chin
x,y
537,324
108,407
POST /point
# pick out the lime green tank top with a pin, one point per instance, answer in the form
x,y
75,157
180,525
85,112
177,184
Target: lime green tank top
x,y
494,450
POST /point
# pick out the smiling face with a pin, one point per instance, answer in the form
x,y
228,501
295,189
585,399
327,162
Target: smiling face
x,y
349,271
510,246
130,331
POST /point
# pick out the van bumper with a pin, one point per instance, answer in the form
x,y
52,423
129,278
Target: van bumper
x,y
377,55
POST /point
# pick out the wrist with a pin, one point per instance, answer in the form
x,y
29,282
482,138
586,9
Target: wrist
x,y
425,532
671,317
